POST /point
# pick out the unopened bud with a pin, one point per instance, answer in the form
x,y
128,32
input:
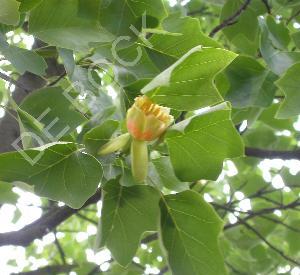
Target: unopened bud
x,y
115,144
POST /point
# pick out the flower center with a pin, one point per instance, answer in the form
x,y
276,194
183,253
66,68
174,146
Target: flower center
x,y
150,108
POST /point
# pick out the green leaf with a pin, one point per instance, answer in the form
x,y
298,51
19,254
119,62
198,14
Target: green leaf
x,y
51,107
161,51
6,193
250,83
23,60
58,171
118,16
289,83
292,237
9,12
127,213
27,5
120,270
296,38
30,129
166,175
179,37
278,60
100,135
189,231
199,145
239,33
188,83
57,23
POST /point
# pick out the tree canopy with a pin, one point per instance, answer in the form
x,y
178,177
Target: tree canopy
x,y
150,137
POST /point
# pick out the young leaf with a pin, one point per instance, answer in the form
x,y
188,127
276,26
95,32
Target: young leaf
x,y
189,231
127,213
199,146
58,171
188,83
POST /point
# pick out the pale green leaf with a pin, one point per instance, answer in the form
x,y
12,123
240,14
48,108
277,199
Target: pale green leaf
x,y
188,83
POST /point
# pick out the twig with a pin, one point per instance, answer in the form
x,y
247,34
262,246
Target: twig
x,y
59,248
12,81
86,219
230,20
252,214
258,234
268,7
150,238
281,223
163,270
57,79
43,225
292,17
234,269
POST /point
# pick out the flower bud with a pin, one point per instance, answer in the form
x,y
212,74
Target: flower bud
x,y
146,121
115,144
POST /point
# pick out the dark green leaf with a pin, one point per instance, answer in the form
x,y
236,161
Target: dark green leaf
x,y
250,83
127,213
289,83
100,135
58,171
52,108
189,230
9,12
198,146
57,23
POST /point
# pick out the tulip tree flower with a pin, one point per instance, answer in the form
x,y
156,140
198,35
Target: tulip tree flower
x,y
146,121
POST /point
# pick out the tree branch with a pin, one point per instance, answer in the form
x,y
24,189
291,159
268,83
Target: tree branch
x,y
258,234
43,225
59,248
268,7
272,154
292,17
230,20
12,81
